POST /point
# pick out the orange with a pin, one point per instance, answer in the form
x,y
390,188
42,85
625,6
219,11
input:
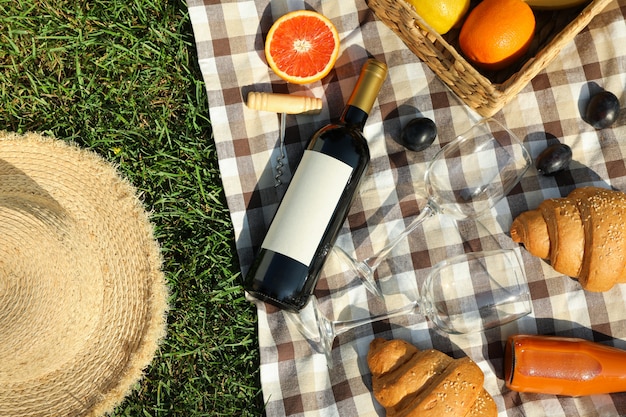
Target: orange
x,y
497,33
302,46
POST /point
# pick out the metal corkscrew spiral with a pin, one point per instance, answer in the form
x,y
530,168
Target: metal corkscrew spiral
x,y
281,149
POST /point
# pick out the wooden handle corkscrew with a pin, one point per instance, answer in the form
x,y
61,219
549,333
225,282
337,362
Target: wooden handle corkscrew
x,y
283,103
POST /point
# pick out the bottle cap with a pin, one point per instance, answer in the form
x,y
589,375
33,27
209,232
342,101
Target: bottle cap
x,y
370,81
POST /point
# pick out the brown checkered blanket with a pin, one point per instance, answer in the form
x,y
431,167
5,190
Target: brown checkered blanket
x,y
295,378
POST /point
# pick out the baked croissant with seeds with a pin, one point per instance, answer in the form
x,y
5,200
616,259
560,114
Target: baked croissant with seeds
x,y
583,235
410,382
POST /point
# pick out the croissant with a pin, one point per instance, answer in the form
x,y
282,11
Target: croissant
x,y
410,382
583,235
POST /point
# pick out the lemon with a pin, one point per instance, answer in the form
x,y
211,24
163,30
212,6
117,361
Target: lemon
x,y
441,15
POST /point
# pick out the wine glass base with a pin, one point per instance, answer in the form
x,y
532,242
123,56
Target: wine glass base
x,y
326,333
362,270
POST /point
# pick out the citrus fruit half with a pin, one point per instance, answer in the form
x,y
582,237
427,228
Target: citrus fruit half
x,y
302,46
441,15
497,33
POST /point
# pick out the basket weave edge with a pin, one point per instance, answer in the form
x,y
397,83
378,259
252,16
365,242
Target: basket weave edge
x,y
538,63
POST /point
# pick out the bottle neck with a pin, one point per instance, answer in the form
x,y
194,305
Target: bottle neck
x,y
362,99
354,116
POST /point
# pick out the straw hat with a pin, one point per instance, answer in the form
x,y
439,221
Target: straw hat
x,y
83,300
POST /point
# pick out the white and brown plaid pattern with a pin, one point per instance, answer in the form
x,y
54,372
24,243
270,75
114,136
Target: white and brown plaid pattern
x,y
296,381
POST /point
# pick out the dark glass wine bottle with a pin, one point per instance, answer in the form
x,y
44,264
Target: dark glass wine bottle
x,y
316,203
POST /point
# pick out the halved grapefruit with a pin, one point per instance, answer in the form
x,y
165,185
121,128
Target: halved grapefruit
x,y
302,46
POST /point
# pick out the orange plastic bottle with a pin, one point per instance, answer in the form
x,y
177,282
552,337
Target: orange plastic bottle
x,y
563,366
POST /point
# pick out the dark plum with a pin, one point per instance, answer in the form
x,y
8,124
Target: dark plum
x,y
553,159
418,134
602,110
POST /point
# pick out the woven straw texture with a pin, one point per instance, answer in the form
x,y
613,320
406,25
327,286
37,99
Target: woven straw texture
x,y
83,300
485,92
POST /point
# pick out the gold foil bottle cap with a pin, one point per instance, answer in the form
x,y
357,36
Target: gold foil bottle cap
x,y
368,86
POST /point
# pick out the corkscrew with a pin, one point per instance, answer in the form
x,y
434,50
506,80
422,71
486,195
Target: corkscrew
x,y
281,149
283,104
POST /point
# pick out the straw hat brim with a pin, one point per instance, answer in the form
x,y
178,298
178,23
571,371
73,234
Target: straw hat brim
x,y
83,299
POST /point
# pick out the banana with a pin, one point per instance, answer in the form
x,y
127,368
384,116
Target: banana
x,y
554,4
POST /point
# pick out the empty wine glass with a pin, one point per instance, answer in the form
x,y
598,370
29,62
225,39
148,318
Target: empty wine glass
x,y
467,293
464,179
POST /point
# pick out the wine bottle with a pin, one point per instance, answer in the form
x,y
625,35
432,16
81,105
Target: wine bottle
x,y
316,203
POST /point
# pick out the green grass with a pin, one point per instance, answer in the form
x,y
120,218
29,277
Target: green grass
x,y
121,78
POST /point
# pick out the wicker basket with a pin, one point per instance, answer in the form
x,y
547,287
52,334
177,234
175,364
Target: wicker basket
x,y
485,92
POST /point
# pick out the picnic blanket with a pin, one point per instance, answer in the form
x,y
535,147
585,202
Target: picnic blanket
x,y
295,378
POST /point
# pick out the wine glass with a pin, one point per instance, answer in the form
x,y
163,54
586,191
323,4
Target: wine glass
x,y
466,178
466,293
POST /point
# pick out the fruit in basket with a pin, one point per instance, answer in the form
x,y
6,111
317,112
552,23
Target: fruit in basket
x,y
602,110
441,15
302,46
554,159
418,134
497,33
583,235
555,4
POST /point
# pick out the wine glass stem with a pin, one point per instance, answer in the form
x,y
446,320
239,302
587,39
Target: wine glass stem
x,y
340,326
375,260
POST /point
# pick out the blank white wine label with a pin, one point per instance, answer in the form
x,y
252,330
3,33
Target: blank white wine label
x,y
307,207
